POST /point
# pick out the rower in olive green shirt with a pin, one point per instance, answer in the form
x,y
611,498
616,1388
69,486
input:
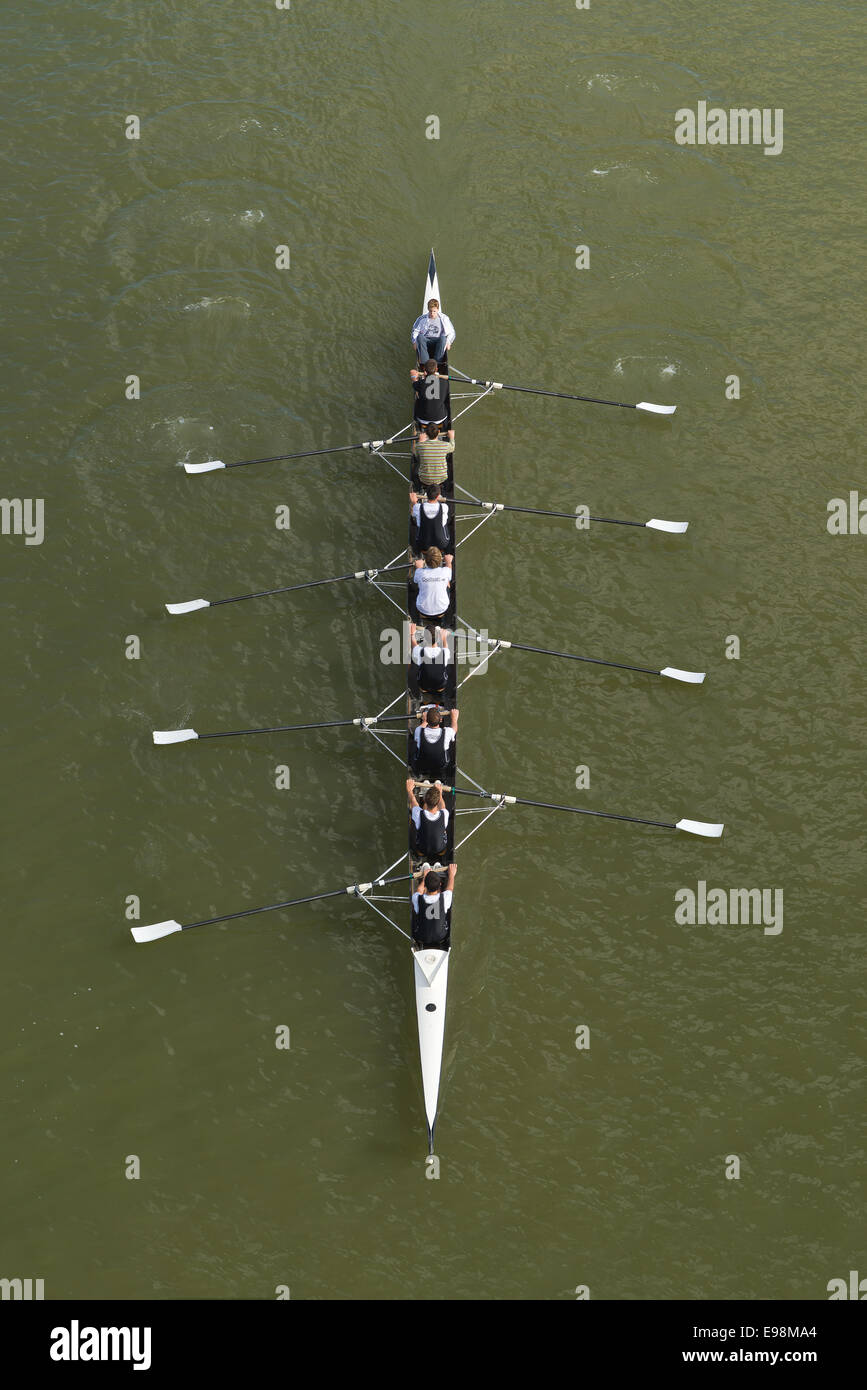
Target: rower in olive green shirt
x,y
431,456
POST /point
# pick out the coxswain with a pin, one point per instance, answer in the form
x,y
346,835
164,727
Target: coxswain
x,y
432,333
430,820
430,459
432,578
432,908
430,515
432,398
435,743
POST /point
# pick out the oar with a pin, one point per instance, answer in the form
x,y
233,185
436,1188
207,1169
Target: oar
x,y
355,890
164,736
673,672
214,464
676,527
692,827
647,406
192,605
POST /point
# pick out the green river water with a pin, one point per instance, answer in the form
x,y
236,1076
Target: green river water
x,y
154,257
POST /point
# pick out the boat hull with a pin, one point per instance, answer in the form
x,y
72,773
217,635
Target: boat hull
x,y
431,965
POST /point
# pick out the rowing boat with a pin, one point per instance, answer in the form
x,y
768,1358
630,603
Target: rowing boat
x,y
430,966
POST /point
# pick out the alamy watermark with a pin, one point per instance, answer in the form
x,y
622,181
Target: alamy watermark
x,y
739,126
23,516
26,1290
465,648
720,907
77,1343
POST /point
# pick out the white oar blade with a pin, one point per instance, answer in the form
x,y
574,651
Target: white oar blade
x,y
656,409
155,931
209,467
174,735
676,528
192,607
700,827
691,677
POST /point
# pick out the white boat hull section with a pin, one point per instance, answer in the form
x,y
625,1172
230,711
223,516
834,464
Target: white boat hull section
x,y
431,969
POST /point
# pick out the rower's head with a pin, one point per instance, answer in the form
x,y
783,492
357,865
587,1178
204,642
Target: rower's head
x,y
433,308
432,798
433,558
434,718
432,882
432,431
431,366
432,491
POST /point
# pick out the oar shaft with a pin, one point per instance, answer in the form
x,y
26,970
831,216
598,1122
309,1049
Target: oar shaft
x,y
550,806
308,454
539,511
536,391
593,660
564,396
291,902
604,815
285,589
310,584
293,728
648,406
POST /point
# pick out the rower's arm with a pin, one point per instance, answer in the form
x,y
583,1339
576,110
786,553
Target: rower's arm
x,y
455,713
410,793
453,868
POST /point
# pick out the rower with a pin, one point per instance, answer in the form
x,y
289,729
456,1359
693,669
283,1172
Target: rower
x,y
431,662
430,519
432,909
432,333
432,578
429,821
432,399
430,458
435,743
